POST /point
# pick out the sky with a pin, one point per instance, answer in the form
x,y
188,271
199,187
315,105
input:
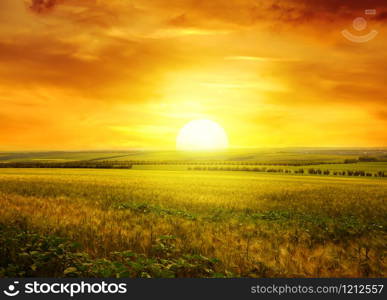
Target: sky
x,y
123,74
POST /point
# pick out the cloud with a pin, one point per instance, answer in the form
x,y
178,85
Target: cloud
x,y
261,59
209,14
382,115
41,6
162,18
248,13
85,13
90,61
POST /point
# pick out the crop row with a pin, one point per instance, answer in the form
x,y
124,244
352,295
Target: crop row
x,y
309,171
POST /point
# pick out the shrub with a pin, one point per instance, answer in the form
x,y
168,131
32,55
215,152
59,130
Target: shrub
x,y
27,254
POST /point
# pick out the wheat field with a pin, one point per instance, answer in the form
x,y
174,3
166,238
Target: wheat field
x,y
254,225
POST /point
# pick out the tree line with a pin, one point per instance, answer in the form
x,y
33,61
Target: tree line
x,y
310,171
72,165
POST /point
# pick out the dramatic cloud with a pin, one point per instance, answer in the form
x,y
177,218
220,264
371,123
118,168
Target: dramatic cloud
x,y
113,74
40,6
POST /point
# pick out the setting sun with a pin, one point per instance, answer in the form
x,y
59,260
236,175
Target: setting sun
x,y
202,135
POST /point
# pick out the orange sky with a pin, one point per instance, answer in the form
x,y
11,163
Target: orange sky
x,y
119,74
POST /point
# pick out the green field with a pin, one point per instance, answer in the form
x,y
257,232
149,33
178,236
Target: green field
x,y
286,155
166,222
59,156
372,167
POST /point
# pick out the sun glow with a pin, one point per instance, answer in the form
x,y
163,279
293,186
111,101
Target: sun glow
x,y
201,135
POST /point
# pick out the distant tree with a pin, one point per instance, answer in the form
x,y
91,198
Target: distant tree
x,y
350,161
367,159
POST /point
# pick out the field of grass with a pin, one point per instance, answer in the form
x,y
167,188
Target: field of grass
x,y
58,156
286,155
368,167
167,223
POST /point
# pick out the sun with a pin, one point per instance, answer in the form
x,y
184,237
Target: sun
x,y
201,135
